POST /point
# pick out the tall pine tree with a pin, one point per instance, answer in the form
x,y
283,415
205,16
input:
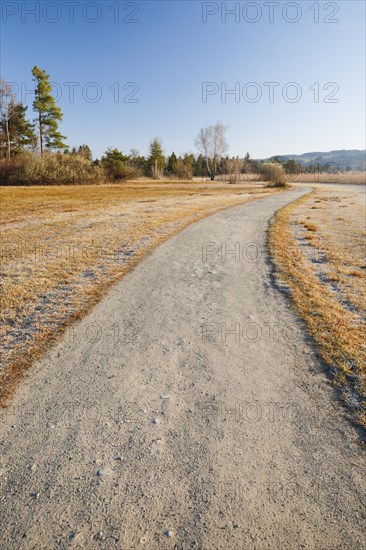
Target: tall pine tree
x,y
48,114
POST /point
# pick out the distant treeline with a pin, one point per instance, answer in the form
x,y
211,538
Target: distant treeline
x,y
34,151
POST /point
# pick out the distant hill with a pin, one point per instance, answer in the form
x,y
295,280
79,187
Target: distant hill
x,y
352,159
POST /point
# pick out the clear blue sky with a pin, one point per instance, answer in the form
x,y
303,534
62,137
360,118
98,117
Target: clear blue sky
x,y
170,52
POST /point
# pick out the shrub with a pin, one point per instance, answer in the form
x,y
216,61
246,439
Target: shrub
x,y
183,171
117,166
273,173
120,172
51,169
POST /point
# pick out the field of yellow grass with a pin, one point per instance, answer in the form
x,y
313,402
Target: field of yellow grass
x,y
350,178
318,245
63,247
336,177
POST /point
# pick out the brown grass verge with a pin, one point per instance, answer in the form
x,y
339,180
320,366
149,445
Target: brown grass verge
x,y
337,332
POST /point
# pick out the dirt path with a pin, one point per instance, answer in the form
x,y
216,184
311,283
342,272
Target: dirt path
x,y
141,430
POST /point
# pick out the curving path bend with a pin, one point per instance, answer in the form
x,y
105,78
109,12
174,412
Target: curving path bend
x,y
188,410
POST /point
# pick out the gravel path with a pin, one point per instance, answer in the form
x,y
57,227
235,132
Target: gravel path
x,y
188,410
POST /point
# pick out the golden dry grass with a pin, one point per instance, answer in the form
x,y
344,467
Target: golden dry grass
x,y
327,279
352,177
310,226
63,247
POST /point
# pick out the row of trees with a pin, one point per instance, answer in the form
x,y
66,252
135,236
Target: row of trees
x,y
183,167
41,136
18,133
291,166
157,165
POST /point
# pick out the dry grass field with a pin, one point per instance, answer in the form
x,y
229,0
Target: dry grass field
x,y
63,248
348,178
318,244
337,177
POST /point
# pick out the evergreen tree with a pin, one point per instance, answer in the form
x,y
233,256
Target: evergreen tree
x,y
276,159
85,152
184,168
222,166
22,131
17,133
172,164
292,167
116,165
139,163
156,159
200,167
247,164
189,160
48,114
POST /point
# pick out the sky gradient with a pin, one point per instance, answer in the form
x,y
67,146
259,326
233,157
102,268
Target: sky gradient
x,y
168,50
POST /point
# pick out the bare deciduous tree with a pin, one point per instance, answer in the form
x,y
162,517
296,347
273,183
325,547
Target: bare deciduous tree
x,y
6,99
211,143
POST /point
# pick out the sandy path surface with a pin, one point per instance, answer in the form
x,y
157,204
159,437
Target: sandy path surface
x,y
188,410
